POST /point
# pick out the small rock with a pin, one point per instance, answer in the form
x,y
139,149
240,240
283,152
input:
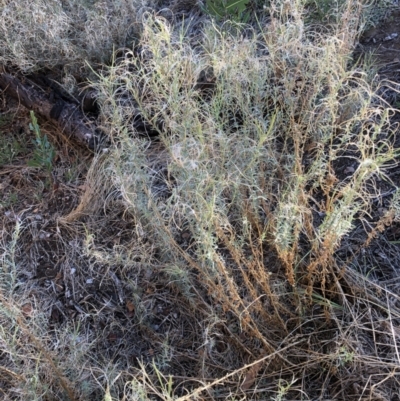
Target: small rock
x,y
349,170
391,37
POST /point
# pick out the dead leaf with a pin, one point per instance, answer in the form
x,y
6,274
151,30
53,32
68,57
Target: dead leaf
x,y
130,306
251,376
27,309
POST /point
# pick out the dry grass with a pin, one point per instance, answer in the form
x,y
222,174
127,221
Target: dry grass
x,y
216,261
66,36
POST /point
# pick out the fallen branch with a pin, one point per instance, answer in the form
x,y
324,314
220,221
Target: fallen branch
x,y
68,116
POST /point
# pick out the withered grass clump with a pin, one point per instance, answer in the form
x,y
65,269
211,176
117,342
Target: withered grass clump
x,y
65,34
240,209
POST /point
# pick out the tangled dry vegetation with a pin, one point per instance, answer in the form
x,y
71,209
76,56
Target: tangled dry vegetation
x,y
238,238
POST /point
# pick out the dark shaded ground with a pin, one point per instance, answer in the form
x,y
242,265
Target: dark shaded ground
x,y
383,42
